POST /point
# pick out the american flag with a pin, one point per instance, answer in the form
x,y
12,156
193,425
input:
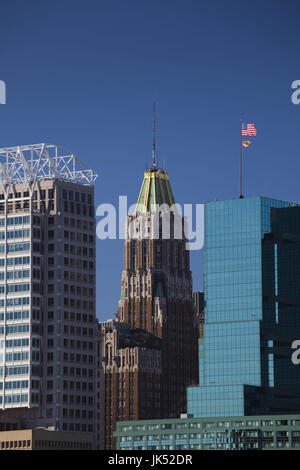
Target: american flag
x,y
249,130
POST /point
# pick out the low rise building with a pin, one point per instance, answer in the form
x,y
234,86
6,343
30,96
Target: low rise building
x,y
281,432
44,439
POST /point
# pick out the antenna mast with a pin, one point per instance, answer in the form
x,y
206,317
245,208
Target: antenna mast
x,y
153,145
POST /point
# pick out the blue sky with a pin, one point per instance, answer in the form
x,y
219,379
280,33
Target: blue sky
x,y
84,74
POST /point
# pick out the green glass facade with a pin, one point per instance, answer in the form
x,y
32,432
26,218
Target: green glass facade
x,y
252,310
232,433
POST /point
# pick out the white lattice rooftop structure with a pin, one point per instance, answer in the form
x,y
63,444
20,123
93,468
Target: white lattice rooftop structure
x,y
39,162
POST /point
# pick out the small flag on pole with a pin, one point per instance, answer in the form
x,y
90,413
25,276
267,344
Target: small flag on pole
x,y
246,129
249,130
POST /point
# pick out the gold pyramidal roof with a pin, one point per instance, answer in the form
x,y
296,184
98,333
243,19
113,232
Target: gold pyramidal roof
x,y
155,189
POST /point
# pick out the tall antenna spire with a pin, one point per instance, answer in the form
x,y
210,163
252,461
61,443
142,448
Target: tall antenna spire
x,y
153,145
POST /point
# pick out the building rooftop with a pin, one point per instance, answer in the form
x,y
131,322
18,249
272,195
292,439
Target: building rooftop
x,y
155,189
39,162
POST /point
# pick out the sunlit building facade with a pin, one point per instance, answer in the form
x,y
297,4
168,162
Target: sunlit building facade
x,y
47,288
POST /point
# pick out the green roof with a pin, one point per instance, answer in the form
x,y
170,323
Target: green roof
x,y
155,189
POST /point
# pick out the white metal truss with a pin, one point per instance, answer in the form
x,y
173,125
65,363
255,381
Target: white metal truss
x,y
39,162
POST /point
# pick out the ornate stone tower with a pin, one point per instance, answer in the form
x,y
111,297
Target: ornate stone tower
x,y
147,368
156,291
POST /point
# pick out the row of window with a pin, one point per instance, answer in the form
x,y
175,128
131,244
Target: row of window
x,y
79,317
17,195
78,277
15,301
22,220
20,370
12,288
77,197
15,384
15,444
78,427
19,274
72,330
71,357
15,247
42,207
19,398
85,345
73,263
43,193
18,356
78,223
243,444
78,386
78,399
71,413
75,290
63,444
72,372
17,343
15,234
80,210
75,250
12,329
16,261
77,236
18,315
85,305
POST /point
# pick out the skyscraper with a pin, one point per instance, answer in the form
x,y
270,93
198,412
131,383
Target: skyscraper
x,y
47,288
156,297
252,310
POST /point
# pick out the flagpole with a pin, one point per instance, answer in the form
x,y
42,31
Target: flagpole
x,y
241,163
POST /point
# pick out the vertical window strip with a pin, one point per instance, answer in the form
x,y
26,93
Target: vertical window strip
x,y
271,369
276,269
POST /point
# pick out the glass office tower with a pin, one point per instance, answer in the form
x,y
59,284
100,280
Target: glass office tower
x,y
252,310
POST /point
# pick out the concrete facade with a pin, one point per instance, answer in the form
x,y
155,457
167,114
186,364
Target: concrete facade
x,y
41,439
47,316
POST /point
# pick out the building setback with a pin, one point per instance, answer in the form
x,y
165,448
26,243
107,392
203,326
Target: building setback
x,y
156,297
47,289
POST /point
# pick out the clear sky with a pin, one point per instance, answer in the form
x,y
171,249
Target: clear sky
x,y
83,74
